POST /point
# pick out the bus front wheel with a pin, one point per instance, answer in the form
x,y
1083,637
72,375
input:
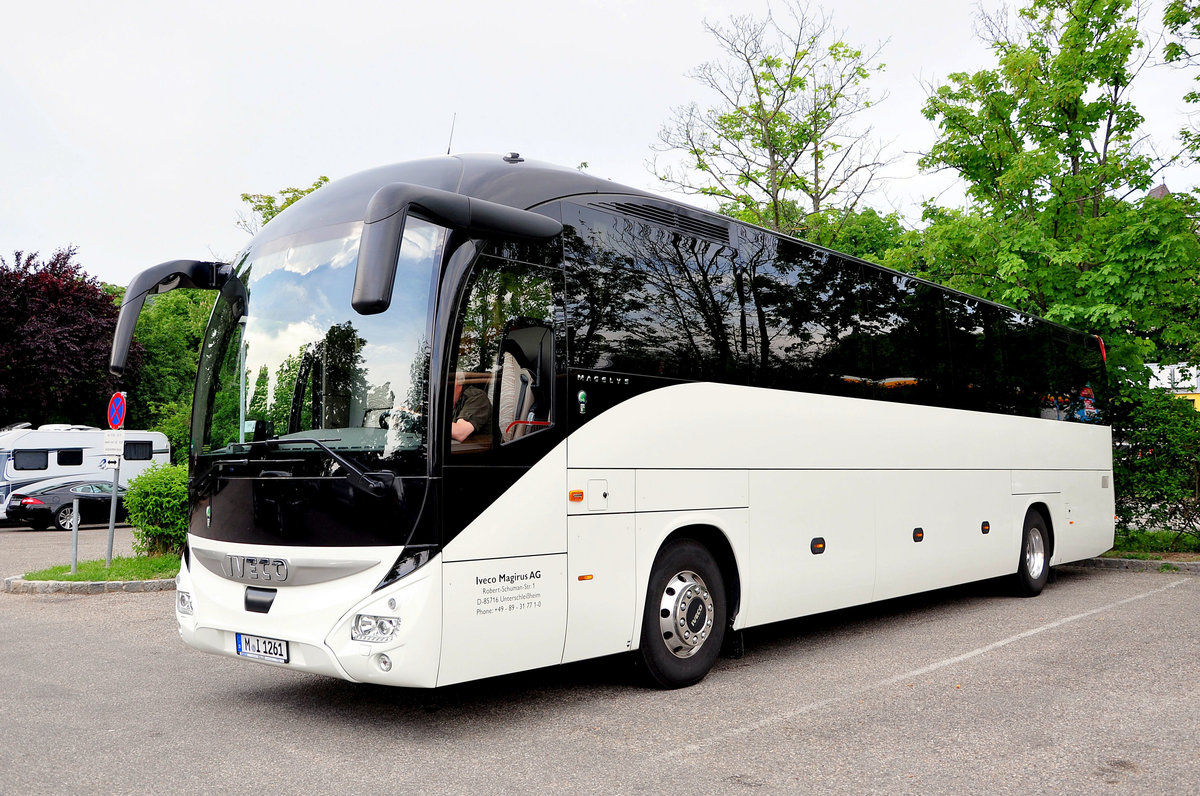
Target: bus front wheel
x,y
684,621
1033,569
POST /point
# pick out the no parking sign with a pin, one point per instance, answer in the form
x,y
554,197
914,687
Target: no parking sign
x,y
116,410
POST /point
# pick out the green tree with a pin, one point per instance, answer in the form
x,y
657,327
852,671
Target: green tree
x,y
864,233
265,206
779,140
1181,18
170,328
260,400
285,385
1047,144
1157,466
56,327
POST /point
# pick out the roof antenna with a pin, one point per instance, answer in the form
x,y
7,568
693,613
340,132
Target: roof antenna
x,y
451,141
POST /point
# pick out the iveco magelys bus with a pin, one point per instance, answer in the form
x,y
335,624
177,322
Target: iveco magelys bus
x,y
472,415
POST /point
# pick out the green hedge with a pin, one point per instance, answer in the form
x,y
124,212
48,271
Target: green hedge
x,y
157,506
1156,465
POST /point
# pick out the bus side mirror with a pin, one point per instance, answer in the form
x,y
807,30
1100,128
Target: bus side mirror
x,y
159,279
383,232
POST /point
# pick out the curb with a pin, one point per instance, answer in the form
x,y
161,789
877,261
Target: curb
x,y
18,585
1139,565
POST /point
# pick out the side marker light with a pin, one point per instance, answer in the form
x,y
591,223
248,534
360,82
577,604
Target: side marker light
x,y
575,496
818,546
918,534
987,526
585,577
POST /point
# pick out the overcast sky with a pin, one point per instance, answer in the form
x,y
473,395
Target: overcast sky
x,y
130,130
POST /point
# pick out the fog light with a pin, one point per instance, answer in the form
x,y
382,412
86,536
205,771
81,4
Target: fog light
x,y
376,629
183,602
385,663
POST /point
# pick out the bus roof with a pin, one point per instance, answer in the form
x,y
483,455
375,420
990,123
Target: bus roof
x,y
509,180
504,179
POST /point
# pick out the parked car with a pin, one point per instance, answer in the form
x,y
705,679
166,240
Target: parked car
x,y
50,503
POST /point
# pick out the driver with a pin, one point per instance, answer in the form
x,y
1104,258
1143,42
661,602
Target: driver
x,y
472,411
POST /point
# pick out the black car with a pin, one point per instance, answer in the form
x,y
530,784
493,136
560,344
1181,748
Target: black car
x,y
42,505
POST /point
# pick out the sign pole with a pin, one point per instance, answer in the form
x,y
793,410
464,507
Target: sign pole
x,y
112,514
114,446
74,536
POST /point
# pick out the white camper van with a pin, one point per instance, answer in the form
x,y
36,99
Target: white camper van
x,y
29,455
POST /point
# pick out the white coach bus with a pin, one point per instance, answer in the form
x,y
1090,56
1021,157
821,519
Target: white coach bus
x,y
473,415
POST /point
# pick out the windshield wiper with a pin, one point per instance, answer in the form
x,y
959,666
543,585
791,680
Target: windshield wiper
x,y
375,484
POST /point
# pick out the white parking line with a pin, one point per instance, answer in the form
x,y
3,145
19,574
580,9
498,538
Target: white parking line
x,y
933,667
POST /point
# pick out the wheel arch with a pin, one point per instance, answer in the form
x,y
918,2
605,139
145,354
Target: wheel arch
x,y
718,544
1041,508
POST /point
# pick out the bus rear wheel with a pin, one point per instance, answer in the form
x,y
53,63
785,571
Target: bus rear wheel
x,y
1033,568
684,621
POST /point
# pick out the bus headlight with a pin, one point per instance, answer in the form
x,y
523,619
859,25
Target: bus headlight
x,y
376,629
183,602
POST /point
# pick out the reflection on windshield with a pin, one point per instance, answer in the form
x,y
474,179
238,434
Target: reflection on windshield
x,y
298,362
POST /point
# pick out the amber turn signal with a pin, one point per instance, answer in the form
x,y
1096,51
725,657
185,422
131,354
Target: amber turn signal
x,y
575,496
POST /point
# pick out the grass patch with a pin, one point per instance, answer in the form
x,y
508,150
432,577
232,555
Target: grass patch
x,y
123,568
1128,541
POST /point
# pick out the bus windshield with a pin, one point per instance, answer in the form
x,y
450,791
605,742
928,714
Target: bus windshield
x,y
286,357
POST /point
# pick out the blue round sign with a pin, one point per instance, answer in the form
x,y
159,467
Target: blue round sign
x,y
116,410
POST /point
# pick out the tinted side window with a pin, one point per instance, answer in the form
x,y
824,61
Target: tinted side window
x,y
139,451
1077,379
903,321
647,299
805,331
1027,355
31,460
71,457
976,355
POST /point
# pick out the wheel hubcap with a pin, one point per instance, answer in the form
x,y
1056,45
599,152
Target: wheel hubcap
x,y
1035,554
685,616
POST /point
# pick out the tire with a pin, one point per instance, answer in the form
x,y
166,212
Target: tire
x,y
62,517
686,589
1033,565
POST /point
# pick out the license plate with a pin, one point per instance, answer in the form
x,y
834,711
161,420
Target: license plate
x,y
267,649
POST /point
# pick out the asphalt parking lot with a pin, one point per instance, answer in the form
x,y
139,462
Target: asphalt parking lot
x,y
23,550
1089,688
